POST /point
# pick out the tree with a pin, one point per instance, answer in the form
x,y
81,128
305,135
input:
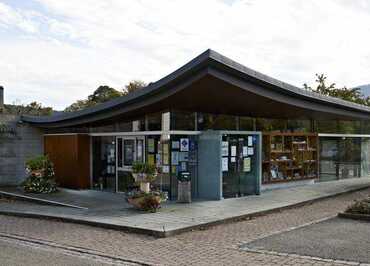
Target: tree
x,y
134,85
104,94
347,94
100,95
33,108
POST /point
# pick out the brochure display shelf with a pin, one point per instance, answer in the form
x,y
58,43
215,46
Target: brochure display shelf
x,y
289,157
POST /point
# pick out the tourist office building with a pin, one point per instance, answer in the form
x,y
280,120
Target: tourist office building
x,y
236,131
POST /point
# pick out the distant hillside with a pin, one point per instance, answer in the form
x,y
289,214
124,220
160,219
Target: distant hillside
x,y
365,89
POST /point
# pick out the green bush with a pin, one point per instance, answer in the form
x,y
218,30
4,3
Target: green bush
x,y
360,207
41,176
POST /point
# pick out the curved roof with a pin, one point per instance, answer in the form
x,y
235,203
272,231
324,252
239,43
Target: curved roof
x,y
207,63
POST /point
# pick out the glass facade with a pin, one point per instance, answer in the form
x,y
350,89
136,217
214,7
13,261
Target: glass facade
x,y
341,158
104,163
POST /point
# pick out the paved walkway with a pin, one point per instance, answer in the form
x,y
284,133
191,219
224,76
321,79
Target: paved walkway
x,y
175,218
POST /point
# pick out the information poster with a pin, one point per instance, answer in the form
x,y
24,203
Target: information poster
x,y
250,151
233,159
247,164
151,146
183,166
183,156
165,169
175,145
175,158
225,148
245,151
225,164
250,141
151,159
233,151
184,144
166,159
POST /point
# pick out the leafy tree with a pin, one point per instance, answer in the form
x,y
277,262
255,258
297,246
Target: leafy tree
x,y
100,95
104,94
33,108
348,94
134,85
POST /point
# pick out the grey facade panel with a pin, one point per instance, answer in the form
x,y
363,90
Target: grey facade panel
x,y
209,172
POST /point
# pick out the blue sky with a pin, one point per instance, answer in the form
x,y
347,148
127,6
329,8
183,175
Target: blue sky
x,y
57,52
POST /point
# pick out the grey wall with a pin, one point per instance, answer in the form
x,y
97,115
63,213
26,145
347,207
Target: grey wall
x,y
209,163
16,148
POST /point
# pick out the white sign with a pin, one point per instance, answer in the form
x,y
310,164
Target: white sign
x,y
233,150
250,151
245,151
184,144
225,148
225,164
250,141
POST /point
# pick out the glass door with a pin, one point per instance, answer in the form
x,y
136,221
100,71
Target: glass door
x,y
130,150
239,165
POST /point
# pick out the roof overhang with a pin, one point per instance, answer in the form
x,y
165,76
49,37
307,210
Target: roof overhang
x,y
215,84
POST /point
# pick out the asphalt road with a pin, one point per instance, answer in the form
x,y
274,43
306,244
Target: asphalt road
x,y
14,252
340,239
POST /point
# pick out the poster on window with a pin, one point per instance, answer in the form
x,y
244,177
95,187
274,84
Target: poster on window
x,y
175,145
151,146
233,151
247,164
225,148
250,140
225,164
175,158
184,144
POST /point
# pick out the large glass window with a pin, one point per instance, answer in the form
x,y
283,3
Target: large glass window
x,y
326,126
340,158
299,125
154,122
264,124
246,123
181,120
216,122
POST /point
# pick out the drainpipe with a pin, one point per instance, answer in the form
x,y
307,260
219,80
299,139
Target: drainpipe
x,y
1,98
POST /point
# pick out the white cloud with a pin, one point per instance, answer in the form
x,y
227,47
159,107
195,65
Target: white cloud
x,y
67,48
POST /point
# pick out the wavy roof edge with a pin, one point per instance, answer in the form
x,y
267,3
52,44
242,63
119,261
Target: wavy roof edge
x,y
195,63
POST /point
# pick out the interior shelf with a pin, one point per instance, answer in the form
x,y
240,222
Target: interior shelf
x,y
289,157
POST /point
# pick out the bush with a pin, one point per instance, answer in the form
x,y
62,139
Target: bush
x,y
360,207
40,176
147,201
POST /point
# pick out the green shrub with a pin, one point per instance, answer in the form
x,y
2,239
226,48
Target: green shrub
x,y
41,176
360,207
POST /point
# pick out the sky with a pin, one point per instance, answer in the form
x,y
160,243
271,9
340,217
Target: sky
x,y
56,52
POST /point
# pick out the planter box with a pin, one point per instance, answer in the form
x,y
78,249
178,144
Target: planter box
x,y
184,192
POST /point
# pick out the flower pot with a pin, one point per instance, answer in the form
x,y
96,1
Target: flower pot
x,y
145,186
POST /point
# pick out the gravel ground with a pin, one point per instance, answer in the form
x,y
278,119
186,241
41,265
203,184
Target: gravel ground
x,y
218,245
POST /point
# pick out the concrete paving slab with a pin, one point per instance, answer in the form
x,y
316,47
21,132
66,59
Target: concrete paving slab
x,y
112,211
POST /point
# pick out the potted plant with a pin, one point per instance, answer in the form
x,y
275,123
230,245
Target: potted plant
x,y
145,199
144,173
41,176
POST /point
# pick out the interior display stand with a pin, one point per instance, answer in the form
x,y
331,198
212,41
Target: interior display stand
x,y
289,157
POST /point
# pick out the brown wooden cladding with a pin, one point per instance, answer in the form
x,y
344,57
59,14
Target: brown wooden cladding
x,y
71,157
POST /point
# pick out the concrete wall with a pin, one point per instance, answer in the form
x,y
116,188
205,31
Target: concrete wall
x,y
15,148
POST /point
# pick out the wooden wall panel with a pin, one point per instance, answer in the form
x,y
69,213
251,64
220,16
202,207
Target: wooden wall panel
x,y
71,157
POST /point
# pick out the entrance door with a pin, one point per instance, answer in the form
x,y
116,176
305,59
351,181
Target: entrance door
x,y
129,150
239,163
